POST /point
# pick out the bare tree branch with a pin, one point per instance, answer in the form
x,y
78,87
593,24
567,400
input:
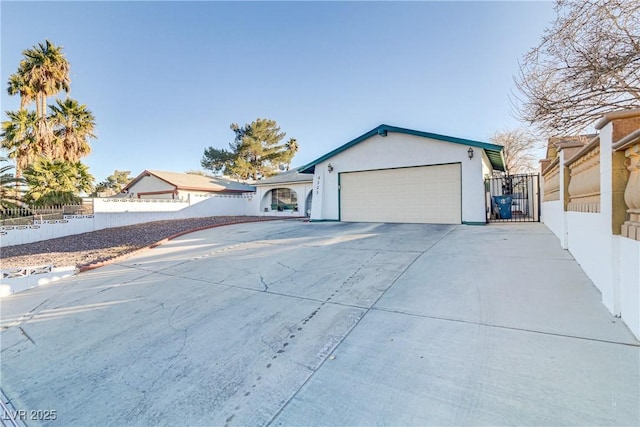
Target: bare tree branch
x,y
587,64
519,148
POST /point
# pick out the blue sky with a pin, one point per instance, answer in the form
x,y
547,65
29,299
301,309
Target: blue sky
x,y
166,79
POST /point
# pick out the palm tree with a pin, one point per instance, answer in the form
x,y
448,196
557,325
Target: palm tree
x,y
55,182
43,72
18,137
10,190
46,71
18,86
73,124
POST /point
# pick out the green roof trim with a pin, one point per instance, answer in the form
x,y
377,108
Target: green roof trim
x,y
493,151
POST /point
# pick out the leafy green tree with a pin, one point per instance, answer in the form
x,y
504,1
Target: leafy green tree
x,y
216,159
255,153
55,182
10,191
114,183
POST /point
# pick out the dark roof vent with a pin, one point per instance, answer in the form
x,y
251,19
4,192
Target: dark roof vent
x,y
382,132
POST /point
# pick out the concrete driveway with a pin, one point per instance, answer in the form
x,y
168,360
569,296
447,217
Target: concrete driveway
x,y
294,323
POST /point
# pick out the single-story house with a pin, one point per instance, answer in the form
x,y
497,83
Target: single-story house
x,y
153,184
393,174
288,192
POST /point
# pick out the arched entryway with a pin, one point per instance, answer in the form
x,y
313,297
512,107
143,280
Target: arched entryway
x,y
280,200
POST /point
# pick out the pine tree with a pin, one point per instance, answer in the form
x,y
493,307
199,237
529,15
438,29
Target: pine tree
x,y
255,153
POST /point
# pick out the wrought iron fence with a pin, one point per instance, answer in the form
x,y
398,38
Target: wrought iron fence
x,y
513,198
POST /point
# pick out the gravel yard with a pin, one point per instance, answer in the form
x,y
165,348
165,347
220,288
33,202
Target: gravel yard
x,y
97,246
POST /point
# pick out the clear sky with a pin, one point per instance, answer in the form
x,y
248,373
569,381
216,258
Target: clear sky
x,y
166,79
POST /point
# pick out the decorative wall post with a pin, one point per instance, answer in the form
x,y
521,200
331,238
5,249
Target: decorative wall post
x,y
631,147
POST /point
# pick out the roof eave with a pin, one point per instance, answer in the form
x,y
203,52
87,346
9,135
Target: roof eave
x,y
496,164
260,183
144,174
214,190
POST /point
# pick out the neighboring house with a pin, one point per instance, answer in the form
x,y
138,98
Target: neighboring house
x,y
392,174
152,184
288,192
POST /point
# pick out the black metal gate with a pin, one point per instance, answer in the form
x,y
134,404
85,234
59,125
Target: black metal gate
x,y
513,198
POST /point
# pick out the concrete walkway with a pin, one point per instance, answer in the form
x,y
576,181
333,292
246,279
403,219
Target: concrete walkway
x,y
293,323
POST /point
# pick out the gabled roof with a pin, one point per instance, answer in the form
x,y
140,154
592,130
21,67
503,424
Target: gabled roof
x,y
290,176
493,151
187,181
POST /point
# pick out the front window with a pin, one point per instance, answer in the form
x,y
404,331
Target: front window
x,y
283,199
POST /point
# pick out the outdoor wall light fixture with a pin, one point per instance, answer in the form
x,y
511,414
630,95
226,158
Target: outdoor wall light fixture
x,y
330,168
470,153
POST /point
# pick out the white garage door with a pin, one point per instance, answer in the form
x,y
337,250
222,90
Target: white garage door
x,y
424,194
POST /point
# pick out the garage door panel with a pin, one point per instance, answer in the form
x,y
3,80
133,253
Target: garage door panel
x,y
425,194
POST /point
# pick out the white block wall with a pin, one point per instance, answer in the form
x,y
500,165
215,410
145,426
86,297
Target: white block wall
x,y
612,262
138,205
629,277
124,212
553,218
592,250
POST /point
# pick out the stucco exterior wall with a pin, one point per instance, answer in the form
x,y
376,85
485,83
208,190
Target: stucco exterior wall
x,y
553,218
592,250
552,211
629,268
221,204
611,262
151,184
487,170
125,204
394,151
193,196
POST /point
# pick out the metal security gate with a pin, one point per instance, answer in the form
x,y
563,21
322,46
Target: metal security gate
x,y
513,198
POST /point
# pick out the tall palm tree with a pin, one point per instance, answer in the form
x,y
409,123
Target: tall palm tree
x,y
18,137
73,124
55,182
45,72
